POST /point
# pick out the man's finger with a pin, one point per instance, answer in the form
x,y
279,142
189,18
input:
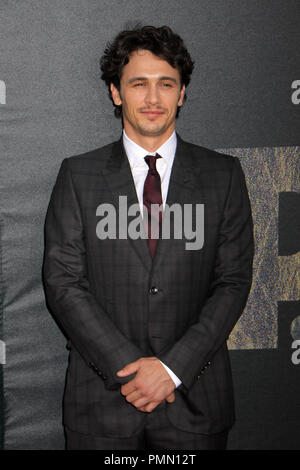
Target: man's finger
x,y
128,388
171,398
150,406
131,397
128,369
141,402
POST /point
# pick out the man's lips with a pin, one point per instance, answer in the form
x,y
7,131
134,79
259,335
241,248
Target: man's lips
x,y
152,112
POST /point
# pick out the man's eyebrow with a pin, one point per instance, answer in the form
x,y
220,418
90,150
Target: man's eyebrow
x,y
144,79
171,79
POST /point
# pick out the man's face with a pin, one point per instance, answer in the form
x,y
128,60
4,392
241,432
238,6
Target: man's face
x,y
150,93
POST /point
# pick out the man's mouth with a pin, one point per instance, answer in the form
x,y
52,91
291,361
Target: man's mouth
x,y
152,112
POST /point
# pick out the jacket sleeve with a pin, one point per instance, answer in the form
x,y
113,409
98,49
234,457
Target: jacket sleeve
x,y
229,289
103,347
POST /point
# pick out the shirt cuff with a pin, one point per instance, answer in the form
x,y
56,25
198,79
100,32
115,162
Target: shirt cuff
x,y
174,377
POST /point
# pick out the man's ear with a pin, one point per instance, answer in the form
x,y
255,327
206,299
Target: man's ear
x,y
181,96
115,94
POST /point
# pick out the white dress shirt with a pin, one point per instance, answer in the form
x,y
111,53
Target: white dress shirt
x,y
139,169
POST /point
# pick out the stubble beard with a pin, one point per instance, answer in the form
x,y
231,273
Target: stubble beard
x,y
152,132
149,130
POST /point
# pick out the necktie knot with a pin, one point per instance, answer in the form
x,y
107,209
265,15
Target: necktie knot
x,y
151,162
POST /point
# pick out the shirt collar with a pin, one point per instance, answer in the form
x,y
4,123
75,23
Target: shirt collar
x,y
135,153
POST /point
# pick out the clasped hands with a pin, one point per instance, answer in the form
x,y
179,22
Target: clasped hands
x,y
151,385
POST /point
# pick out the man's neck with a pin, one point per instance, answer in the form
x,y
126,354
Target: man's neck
x,y
149,143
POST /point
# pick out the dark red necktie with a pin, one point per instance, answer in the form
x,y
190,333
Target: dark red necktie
x,y
152,195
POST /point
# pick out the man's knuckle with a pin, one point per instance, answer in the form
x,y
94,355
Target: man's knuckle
x,y
139,384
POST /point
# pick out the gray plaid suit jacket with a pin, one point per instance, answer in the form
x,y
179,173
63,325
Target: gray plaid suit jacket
x,y
100,291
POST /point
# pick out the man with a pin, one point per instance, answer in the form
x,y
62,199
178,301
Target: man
x,y
147,319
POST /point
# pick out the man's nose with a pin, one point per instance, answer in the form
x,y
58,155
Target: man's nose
x,y
152,96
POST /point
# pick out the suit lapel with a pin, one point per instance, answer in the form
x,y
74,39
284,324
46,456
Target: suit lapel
x,y
120,181
181,186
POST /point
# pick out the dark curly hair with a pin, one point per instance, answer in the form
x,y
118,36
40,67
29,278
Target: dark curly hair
x,y
162,42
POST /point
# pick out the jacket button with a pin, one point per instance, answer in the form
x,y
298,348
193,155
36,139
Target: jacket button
x,y
153,290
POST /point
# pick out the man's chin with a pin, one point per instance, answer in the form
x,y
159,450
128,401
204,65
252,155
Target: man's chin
x,y
152,131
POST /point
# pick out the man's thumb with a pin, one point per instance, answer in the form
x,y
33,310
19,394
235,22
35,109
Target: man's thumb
x,y
171,398
128,369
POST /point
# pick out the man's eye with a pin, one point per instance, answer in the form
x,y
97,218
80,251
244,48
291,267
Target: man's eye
x,y
167,85
138,84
